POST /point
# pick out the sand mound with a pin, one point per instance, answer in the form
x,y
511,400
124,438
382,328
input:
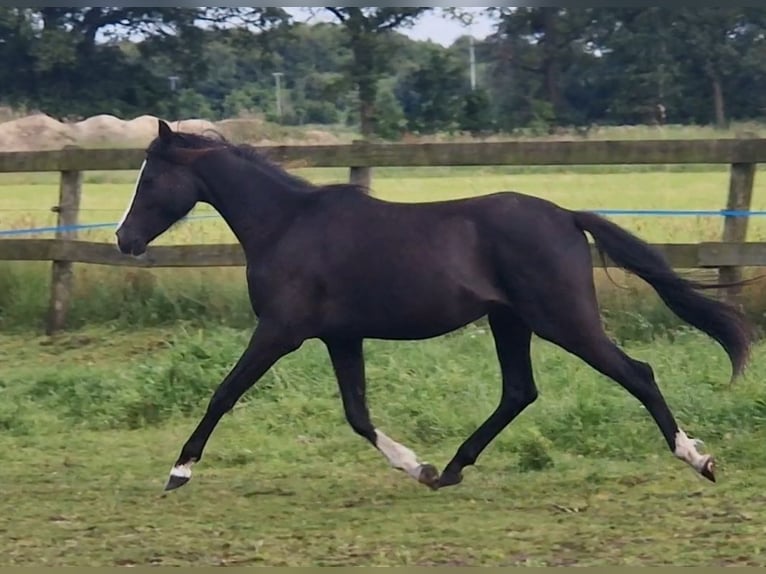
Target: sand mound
x,y
241,130
145,122
320,137
38,131
140,131
143,129
99,130
194,125
99,124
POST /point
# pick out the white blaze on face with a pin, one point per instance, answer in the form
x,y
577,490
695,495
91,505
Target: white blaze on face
x,y
398,455
133,197
686,450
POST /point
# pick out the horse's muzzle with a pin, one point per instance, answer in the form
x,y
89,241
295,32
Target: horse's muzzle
x,y
129,245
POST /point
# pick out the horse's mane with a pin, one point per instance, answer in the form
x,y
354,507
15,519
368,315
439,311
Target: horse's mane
x,y
193,141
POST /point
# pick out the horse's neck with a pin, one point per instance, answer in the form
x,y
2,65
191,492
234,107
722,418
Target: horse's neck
x,y
255,205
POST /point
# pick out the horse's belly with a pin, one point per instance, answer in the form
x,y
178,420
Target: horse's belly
x,y
414,315
409,329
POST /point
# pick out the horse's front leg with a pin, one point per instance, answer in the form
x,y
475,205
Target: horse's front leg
x,y
348,362
267,345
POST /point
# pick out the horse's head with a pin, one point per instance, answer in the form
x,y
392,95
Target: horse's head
x,y
166,190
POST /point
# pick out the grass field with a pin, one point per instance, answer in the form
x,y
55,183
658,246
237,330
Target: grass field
x,y
92,419
160,296
25,200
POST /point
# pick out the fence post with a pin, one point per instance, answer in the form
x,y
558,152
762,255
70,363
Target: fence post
x,y
68,209
735,228
360,175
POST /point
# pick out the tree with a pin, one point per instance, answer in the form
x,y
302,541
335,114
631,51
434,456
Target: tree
x,y
638,71
708,39
541,68
476,116
545,42
391,122
433,93
689,61
17,37
79,61
364,29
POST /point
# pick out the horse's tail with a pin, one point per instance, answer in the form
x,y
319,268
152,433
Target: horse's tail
x,y
719,320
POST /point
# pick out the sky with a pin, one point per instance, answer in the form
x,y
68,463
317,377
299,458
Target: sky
x,y
431,26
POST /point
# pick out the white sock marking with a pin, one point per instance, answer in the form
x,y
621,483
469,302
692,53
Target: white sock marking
x,y
133,197
686,450
182,470
398,455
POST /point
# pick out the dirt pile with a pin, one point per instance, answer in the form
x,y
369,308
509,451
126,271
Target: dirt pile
x,y
37,131
42,132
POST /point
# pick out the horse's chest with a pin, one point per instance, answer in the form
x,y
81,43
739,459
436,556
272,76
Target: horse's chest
x,y
281,287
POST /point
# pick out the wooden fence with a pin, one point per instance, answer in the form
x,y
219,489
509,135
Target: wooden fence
x,y
729,255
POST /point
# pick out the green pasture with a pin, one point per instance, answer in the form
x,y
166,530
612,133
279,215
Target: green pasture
x,y
25,199
92,421
136,296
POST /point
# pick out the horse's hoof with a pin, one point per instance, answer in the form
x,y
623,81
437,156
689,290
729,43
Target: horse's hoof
x,y
450,479
707,469
179,475
429,476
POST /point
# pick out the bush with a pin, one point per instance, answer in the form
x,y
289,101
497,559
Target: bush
x,y
533,452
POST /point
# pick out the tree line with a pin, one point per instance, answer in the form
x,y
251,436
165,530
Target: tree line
x,y
540,68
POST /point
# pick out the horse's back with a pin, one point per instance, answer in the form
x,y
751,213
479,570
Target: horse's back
x,y
467,230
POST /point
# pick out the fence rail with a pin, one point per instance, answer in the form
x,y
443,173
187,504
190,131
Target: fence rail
x,y
615,152
729,255
680,255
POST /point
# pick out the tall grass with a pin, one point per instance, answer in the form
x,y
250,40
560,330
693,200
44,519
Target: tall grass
x,y
140,297
133,297
428,392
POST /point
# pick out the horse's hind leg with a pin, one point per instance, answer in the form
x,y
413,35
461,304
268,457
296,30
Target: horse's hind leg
x,y
348,363
512,341
572,321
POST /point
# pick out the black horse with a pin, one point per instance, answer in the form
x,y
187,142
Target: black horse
x,y
333,263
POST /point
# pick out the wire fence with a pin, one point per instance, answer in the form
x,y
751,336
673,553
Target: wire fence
x,y
606,212
78,227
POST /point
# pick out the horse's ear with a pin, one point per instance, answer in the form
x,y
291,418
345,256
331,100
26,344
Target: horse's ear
x,y
164,130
